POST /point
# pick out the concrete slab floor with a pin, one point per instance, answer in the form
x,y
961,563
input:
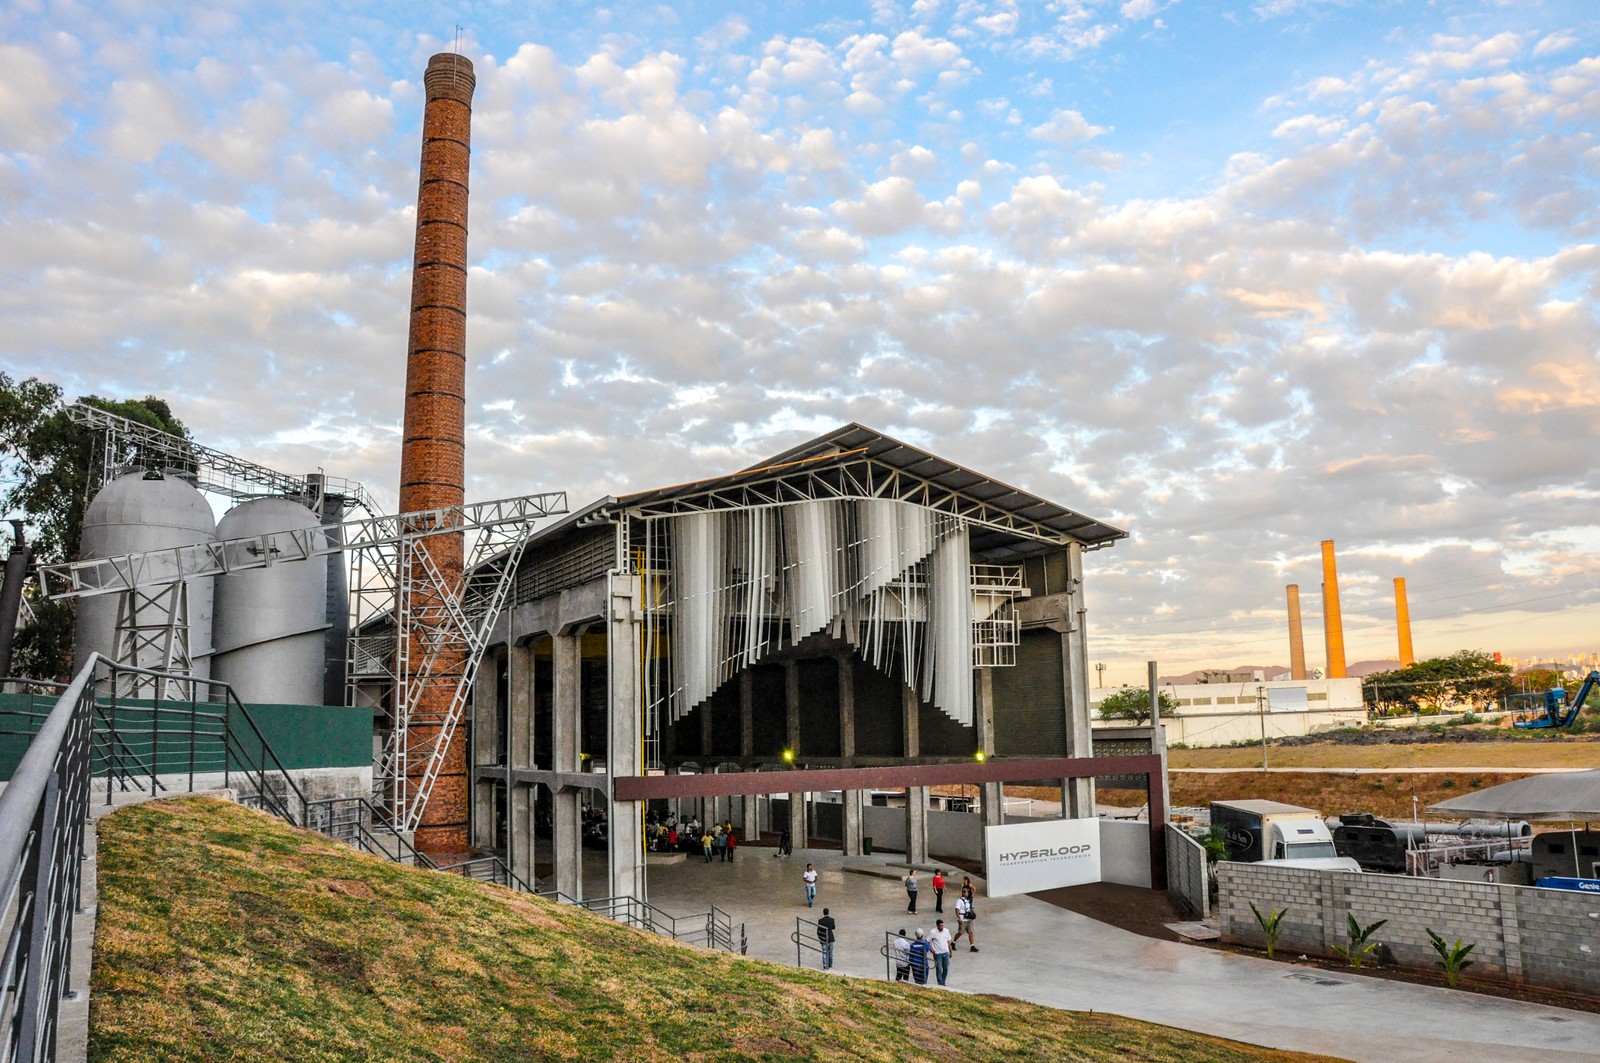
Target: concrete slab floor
x,y
1035,951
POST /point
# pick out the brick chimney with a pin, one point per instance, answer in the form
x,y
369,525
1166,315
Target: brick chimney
x,y
433,453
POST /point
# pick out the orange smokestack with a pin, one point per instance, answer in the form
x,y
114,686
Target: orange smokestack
x,y
1332,620
1402,620
433,452
1297,642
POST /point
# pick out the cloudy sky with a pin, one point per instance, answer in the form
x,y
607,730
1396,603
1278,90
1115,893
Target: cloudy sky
x,y
1235,276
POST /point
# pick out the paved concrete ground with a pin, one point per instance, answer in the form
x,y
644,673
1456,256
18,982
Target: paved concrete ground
x,y
1037,952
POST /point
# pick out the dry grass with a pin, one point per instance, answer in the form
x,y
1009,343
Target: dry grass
x,y
225,935
1387,796
1507,754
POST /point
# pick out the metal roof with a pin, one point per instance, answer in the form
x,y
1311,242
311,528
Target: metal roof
x,y
855,461
1567,795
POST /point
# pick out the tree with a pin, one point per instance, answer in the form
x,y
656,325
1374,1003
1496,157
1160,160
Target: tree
x,y
46,460
1468,677
1133,703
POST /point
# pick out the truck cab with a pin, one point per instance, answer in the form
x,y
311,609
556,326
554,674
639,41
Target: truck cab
x,y
1273,832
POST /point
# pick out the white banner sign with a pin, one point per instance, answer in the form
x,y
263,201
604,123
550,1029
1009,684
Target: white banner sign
x,y
1024,857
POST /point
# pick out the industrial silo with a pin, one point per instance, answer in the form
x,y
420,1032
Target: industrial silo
x,y
270,621
161,626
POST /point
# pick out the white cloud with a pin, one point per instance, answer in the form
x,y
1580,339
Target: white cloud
x,y
1067,128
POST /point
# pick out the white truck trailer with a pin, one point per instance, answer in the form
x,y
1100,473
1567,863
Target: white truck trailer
x,y
1276,833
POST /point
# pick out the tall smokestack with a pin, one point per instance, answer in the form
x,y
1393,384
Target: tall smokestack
x,y
1332,621
1297,642
433,452
1402,620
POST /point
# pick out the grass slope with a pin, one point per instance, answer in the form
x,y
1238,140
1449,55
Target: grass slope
x,y
224,934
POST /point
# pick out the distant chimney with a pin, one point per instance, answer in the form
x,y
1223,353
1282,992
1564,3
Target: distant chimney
x,y
1297,642
1402,620
433,452
1332,620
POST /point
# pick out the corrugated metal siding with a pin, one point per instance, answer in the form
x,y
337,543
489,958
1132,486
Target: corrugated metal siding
x,y
572,561
1030,700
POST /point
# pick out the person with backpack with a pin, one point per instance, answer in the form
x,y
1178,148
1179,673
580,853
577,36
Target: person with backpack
x,y
827,931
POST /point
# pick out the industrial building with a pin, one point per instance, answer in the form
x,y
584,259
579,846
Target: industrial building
x,y
855,612
853,602
1220,714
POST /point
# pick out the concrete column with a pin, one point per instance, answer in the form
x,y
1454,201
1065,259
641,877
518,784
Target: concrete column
x,y
851,842
566,746
992,798
485,746
916,796
749,808
1079,803
917,824
797,802
625,747
519,720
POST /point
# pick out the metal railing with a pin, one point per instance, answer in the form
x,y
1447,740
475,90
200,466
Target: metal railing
x,y
805,941
175,741
42,815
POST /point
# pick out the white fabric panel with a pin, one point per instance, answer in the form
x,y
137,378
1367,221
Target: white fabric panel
x,y
814,565
949,666
697,608
892,578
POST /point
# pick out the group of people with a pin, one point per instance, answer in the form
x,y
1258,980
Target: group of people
x,y
716,841
929,952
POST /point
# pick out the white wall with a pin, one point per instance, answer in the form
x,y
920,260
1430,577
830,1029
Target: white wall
x,y
1125,852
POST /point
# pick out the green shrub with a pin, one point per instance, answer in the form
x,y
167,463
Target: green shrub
x,y
1452,958
1272,926
1360,946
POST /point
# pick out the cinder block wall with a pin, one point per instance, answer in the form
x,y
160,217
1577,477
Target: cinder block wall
x,y
1523,934
1186,872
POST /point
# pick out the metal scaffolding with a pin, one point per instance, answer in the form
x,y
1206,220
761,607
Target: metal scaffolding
x,y
126,443
413,628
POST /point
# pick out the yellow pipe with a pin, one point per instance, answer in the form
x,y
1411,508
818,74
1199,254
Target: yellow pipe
x,y
1297,641
1332,620
1402,619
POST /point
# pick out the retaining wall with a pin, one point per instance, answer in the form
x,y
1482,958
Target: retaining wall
x,y
1522,934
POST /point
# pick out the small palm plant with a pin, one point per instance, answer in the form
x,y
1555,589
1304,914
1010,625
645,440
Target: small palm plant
x,y
1452,958
1361,946
1271,925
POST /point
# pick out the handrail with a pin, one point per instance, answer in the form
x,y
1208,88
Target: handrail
x,y
42,814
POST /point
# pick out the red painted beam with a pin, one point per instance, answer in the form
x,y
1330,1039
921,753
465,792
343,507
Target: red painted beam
x,y
735,784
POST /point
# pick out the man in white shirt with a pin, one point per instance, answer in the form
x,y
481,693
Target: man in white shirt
x,y
939,945
902,957
809,877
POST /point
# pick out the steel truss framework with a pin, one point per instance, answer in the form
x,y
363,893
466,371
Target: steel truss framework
x,y
414,627
125,443
842,477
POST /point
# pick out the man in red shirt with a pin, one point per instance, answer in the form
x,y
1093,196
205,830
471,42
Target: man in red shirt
x,y
938,890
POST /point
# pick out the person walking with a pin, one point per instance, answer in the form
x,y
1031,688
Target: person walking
x,y
963,917
901,950
785,843
939,948
719,845
705,845
919,958
827,930
809,877
911,892
969,895
938,889
733,843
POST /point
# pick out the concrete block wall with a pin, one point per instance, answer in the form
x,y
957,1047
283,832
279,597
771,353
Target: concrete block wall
x,y
1187,878
1521,933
